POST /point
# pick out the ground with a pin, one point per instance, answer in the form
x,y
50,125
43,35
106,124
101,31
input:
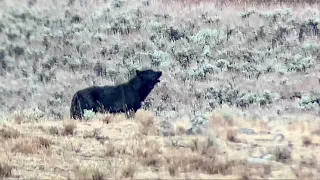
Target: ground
x,y
115,147
226,65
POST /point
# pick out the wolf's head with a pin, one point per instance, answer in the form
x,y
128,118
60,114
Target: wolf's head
x,y
148,79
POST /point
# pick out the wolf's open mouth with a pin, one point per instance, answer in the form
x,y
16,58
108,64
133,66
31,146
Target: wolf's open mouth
x,y
158,79
159,75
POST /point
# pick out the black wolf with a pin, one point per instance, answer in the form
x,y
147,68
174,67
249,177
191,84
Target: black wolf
x,y
123,98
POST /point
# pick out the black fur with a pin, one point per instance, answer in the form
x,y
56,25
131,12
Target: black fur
x,y
123,98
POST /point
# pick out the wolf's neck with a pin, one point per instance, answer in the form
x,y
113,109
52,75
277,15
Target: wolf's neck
x,y
143,90
134,83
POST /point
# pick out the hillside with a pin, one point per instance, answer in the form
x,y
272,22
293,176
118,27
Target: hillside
x,y
222,62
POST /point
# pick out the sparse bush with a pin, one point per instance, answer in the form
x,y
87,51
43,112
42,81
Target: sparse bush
x,y
128,171
150,154
311,46
206,37
69,127
197,74
231,96
174,34
3,119
180,130
92,173
89,114
282,154
97,175
18,119
162,59
117,3
53,130
9,133
172,170
44,142
124,25
306,141
32,114
152,161
100,69
110,150
147,123
232,135
157,27
184,53
27,146
299,63
5,170
305,102
281,15
268,97
46,76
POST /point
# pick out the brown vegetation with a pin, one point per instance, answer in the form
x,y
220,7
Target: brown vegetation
x,y
128,152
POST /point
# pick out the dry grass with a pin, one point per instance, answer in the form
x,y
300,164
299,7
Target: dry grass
x,y
147,123
9,133
53,130
18,119
128,171
88,173
31,145
129,152
69,127
110,150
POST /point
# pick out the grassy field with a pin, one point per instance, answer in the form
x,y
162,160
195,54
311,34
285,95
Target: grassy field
x,y
237,74
115,147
